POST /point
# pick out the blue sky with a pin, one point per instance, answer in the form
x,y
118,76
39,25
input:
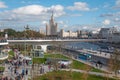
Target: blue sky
x,y
70,14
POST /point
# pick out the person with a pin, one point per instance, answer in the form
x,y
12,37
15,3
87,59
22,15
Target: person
x,y
40,70
26,71
49,67
96,65
15,71
23,72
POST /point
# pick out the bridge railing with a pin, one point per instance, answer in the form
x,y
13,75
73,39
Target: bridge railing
x,y
3,40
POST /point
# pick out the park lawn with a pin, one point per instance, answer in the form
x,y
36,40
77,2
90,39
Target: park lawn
x,y
55,56
78,65
75,64
11,53
82,66
2,68
67,75
38,60
42,60
97,70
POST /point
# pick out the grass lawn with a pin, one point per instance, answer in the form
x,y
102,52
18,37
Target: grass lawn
x,y
11,53
42,60
2,68
75,64
55,56
64,75
39,60
82,66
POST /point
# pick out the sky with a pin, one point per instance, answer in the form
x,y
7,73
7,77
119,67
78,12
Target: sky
x,y
69,14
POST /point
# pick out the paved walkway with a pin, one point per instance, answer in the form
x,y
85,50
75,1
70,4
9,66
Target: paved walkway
x,y
92,73
12,75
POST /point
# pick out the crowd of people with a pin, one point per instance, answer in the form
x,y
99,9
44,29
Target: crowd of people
x,y
17,68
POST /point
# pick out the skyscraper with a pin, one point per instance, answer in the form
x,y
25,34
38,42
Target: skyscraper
x,y
51,28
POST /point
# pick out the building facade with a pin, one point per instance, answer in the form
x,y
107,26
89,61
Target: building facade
x,y
106,32
67,34
82,34
114,38
51,28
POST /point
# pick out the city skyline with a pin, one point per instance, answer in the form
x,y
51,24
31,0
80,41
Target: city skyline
x,y
69,14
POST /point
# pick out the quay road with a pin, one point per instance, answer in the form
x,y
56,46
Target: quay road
x,y
96,53
84,55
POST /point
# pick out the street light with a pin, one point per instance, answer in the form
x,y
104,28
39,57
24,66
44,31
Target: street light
x,y
26,28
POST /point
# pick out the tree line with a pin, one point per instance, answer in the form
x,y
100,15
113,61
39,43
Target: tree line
x,y
27,33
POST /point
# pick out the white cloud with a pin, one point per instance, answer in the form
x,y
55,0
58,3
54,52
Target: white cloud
x,y
30,10
39,10
117,4
32,13
44,22
2,5
106,22
80,6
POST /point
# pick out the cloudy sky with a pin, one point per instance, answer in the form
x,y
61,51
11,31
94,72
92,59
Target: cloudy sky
x,y
70,14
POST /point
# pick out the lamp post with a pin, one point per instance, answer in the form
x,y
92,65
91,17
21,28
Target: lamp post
x,y
26,28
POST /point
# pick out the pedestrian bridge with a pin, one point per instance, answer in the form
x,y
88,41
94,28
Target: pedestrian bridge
x,y
45,43
52,41
3,43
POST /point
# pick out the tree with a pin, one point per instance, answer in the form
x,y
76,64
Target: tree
x,y
11,32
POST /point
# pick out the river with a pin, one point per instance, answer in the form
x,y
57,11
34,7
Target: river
x,y
83,45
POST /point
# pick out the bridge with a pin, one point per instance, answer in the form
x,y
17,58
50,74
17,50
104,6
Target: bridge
x,y
45,43
52,41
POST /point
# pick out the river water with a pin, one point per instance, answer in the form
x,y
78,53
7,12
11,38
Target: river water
x,y
83,45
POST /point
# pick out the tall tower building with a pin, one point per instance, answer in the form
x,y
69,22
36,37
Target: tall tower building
x,y
47,29
51,29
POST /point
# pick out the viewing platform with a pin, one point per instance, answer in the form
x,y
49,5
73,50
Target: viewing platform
x,y
3,52
3,55
3,42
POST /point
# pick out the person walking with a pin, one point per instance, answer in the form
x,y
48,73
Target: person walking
x,y
26,71
49,67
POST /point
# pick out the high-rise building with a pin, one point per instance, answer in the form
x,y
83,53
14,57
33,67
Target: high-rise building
x,y
51,28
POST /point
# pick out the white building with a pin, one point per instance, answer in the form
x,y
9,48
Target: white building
x,y
114,38
106,32
94,34
68,34
42,31
82,34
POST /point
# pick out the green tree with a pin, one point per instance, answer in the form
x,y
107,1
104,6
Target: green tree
x,y
11,32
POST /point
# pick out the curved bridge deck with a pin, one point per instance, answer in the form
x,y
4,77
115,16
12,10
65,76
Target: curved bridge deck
x,y
52,41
